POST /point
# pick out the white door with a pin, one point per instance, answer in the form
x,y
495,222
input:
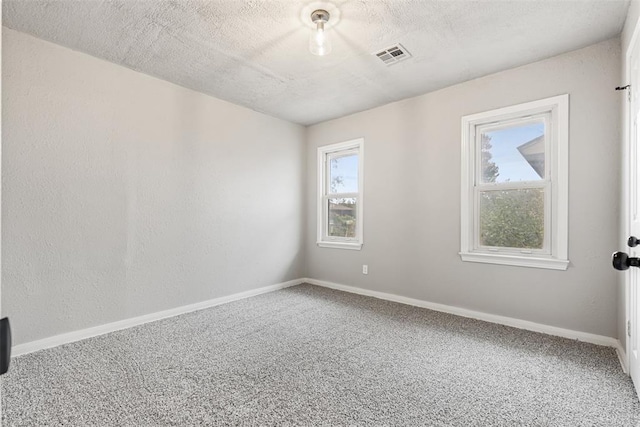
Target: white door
x,y
633,346
0,166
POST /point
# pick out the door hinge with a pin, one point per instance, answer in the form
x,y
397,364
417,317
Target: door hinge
x,y
628,328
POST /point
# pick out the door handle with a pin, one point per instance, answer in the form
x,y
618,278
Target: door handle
x,y
621,261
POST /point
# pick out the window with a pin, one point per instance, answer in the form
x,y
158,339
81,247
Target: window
x,y
340,195
515,185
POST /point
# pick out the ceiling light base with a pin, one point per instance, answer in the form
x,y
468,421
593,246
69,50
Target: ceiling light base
x,y
328,6
320,15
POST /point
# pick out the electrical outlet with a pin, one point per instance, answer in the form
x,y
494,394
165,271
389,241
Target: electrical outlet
x,y
365,269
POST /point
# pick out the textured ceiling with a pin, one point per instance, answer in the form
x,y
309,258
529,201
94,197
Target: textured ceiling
x,y
255,53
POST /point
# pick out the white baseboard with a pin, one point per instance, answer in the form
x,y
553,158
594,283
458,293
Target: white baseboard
x,y
508,321
492,318
622,357
70,337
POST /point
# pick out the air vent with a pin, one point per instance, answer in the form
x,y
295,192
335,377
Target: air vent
x,y
393,54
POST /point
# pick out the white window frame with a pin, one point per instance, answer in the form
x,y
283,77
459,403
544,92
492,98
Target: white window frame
x,y
554,254
324,153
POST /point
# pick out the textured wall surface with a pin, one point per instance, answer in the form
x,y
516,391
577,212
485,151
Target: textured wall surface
x,y
125,195
412,197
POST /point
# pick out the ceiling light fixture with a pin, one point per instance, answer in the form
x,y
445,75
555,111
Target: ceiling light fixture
x,y
319,43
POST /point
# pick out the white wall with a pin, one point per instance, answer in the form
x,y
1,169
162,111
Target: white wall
x,y
125,195
412,197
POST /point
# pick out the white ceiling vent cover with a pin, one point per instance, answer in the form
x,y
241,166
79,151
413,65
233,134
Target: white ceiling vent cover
x,y
393,54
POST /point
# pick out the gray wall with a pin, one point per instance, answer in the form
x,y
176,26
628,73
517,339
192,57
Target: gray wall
x,y
125,195
412,197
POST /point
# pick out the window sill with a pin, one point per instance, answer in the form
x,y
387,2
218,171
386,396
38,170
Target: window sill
x,y
520,261
341,245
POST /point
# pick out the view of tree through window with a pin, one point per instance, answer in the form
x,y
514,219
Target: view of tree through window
x,y
342,217
512,218
343,180
509,217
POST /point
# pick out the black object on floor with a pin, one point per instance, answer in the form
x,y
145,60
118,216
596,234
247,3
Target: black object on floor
x,y
5,345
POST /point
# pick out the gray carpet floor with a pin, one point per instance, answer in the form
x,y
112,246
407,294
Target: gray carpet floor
x,y
313,356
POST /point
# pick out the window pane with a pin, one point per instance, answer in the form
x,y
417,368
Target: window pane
x,y
512,218
512,154
343,174
342,218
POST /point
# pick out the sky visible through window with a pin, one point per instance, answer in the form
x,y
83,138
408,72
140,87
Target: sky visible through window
x,y
511,163
346,170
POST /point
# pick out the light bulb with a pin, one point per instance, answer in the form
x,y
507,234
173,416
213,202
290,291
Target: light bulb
x,y
319,43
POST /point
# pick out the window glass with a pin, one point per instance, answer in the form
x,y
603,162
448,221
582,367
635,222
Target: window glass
x,y
342,218
343,174
512,218
513,154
